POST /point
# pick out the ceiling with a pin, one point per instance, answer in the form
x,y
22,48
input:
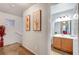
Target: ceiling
x,y
16,8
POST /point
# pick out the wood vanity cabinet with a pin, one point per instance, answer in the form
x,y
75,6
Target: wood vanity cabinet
x,y
57,42
63,44
67,45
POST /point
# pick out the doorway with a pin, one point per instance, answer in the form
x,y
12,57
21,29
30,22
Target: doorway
x,y
57,37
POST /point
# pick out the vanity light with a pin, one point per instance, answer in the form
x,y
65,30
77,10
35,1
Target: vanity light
x,y
75,16
58,20
67,18
63,18
64,22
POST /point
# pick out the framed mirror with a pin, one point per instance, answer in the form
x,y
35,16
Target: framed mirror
x,y
63,27
66,27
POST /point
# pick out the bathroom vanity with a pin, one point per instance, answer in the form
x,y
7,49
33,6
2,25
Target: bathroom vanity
x,y
62,38
63,43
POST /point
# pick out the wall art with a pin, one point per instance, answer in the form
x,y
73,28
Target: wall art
x,y
27,23
37,20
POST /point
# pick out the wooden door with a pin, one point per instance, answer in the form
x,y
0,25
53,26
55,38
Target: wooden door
x,y
67,45
57,42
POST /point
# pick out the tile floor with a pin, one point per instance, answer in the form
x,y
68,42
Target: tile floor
x,y
55,53
17,49
14,49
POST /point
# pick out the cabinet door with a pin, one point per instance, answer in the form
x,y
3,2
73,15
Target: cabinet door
x,y
67,45
57,42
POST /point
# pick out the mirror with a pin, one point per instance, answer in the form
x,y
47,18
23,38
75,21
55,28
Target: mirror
x,y
63,27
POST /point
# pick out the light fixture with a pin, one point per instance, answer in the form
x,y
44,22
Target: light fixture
x,y
64,22
75,16
63,18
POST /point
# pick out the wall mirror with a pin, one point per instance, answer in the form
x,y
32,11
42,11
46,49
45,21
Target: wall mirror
x,y
63,27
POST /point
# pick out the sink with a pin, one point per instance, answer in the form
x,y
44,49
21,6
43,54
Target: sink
x,y
66,36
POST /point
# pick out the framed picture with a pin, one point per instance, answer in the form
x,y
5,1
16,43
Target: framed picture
x,y
37,20
27,23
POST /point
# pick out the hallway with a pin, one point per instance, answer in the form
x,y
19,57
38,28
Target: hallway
x,y
38,26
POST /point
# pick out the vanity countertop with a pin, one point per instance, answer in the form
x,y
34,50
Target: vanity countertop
x,y
65,36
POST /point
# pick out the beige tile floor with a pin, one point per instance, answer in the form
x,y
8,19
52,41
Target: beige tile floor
x,y
14,49
17,49
55,53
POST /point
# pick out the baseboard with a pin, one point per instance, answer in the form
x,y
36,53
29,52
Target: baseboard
x,y
11,44
30,50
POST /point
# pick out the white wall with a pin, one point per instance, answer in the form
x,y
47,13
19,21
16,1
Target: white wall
x,y
61,7
37,42
78,27
10,36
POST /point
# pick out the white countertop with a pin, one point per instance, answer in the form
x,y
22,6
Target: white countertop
x,y
66,36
